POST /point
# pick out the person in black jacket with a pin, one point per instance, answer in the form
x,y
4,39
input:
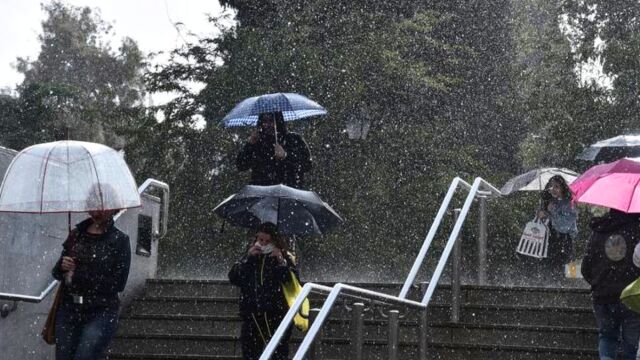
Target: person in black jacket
x,y
608,267
94,267
274,155
260,275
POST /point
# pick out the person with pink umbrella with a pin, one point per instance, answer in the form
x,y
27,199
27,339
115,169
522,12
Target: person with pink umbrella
x,y
608,265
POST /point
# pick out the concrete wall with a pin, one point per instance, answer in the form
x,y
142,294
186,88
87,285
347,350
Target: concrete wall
x,y
29,247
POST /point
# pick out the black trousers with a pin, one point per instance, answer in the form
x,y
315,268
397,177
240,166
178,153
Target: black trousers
x,y
256,332
560,250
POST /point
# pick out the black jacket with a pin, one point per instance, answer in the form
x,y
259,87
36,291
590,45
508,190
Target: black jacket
x,y
260,279
608,266
266,170
102,264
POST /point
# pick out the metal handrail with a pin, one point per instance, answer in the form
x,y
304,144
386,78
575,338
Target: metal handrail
x,y
475,189
141,189
165,201
326,307
29,298
431,234
401,299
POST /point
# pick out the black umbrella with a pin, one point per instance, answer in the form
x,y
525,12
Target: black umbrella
x,y
612,149
294,211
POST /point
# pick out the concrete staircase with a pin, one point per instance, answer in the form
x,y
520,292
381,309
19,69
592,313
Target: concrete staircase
x,y
183,319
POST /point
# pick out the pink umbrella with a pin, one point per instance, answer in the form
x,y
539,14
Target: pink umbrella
x,y
614,185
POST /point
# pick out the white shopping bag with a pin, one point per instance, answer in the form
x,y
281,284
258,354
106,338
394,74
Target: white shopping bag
x,y
534,240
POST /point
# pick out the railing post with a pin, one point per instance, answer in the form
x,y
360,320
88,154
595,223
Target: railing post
x,y
357,331
455,275
422,333
316,347
394,316
482,241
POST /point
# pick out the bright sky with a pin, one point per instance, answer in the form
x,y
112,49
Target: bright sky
x,y
149,22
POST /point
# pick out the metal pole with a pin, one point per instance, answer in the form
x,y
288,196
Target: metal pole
x,y
482,242
422,332
357,331
455,275
316,347
394,315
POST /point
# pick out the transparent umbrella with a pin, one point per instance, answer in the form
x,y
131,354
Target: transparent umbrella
x,y
68,176
535,180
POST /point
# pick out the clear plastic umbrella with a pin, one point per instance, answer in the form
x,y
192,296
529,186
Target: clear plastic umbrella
x,y
535,180
68,176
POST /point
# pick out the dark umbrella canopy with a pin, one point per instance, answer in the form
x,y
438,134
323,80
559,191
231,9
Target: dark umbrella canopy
x,y
612,149
295,212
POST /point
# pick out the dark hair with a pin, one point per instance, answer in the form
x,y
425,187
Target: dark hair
x,y
566,191
277,117
271,229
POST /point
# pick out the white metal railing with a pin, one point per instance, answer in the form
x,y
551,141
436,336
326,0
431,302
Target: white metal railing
x,y
343,289
141,189
475,188
431,234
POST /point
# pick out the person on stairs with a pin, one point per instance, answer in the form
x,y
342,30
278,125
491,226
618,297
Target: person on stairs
x,y
608,267
260,274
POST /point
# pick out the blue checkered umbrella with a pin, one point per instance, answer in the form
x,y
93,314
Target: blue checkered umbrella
x,y
292,106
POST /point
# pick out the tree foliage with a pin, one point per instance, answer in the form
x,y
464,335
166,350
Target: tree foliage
x,y
78,87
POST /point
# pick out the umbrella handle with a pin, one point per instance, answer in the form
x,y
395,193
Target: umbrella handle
x,y
275,129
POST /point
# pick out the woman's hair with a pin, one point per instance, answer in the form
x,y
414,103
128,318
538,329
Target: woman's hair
x,y
277,117
566,191
278,240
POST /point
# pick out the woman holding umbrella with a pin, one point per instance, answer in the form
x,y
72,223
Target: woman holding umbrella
x,y
78,177
274,155
558,207
94,266
260,275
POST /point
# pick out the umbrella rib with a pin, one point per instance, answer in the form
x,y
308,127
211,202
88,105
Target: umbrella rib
x,y
95,170
635,188
7,172
44,175
278,214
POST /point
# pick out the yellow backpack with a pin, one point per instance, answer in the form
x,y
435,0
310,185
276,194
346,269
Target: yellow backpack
x,y
291,290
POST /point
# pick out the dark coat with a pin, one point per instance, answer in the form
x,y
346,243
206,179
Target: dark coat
x,y
260,279
266,170
102,264
608,266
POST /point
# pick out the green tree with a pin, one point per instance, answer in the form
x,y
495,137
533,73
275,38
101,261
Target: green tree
x,y
366,60
609,32
78,87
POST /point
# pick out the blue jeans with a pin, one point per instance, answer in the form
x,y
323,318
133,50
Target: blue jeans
x,y
616,321
84,333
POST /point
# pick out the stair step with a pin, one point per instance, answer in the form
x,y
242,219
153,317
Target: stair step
x,y
198,320
535,296
336,348
472,313
498,334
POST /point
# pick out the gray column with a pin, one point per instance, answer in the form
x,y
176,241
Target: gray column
x,y
482,241
357,331
456,264
394,316
315,352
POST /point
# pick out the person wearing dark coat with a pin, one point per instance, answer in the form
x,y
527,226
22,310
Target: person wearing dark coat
x,y
94,267
608,267
272,162
260,274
